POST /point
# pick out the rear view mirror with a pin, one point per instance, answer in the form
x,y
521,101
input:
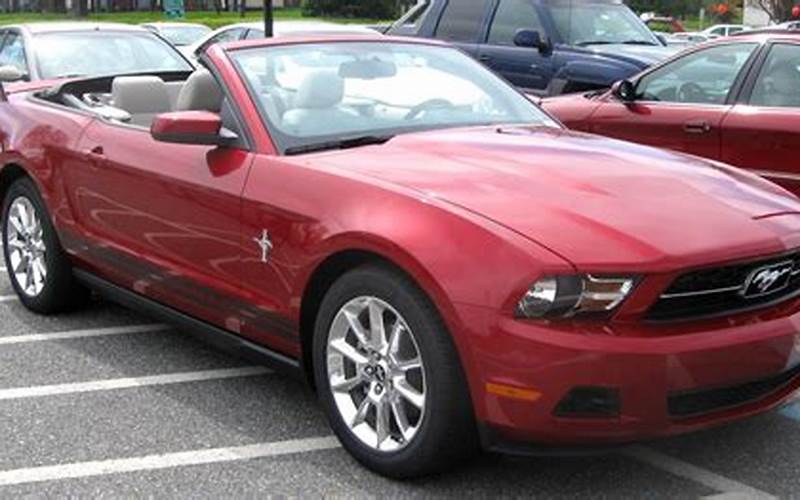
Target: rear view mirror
x,y
191,127
10,74
531,39
624,90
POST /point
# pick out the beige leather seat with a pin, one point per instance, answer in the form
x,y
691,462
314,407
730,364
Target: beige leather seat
x,y
200,93
317,109
143,97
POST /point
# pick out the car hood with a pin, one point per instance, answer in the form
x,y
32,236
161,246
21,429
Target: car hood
x,y
599,203
646,55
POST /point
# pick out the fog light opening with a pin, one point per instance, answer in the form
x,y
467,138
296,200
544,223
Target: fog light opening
x,y
590,402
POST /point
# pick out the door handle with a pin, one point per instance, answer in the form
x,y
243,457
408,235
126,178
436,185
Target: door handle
x,y
96,153
697,127
484,58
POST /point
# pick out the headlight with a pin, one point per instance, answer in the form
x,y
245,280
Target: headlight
x,y
565,296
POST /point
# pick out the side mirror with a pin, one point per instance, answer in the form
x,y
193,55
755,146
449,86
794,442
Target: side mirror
x,y
624,90
10,74
531,39
191,127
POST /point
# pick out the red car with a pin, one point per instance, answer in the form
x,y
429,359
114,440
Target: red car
x,y
448,266
736,100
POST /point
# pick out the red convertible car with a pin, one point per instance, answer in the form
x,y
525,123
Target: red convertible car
x,y
736,100
447,266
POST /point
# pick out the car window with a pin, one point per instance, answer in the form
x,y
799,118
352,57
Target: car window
x,y
461,20
718,31
731,31
702,77
13,52
254,34
97,53
312,94
230,35
778,84
512,16
415,16
594,23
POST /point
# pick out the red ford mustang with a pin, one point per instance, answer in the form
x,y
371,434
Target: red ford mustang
x,y
736,100
446,264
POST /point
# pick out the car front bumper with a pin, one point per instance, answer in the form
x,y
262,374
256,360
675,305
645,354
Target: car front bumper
x,y
666,380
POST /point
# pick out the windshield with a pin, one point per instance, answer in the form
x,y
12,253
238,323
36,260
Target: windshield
x,y
599,23
317,94
98,53
183,35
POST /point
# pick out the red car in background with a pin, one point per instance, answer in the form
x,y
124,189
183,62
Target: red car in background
x,y
386,218
736,100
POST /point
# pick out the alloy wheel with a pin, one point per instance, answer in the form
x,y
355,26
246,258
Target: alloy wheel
x,y
27,250
376,374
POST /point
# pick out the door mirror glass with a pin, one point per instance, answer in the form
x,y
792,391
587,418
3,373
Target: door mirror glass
x,y
10,74
191,127
624,90
531,39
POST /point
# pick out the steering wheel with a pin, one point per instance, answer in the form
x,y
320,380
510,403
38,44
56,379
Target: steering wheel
x,y
429,105
692,92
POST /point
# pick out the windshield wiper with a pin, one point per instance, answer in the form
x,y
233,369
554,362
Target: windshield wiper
x,y
594,42
354,142
639,42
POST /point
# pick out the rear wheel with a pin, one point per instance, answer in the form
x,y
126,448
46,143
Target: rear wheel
x,y
389,377
40,272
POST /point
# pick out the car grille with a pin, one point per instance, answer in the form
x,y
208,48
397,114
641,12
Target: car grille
x,y
701,402
718,291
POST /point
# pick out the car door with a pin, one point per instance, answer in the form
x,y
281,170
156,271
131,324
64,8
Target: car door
x,y
462,24
763,132
163,219
680,105
525,67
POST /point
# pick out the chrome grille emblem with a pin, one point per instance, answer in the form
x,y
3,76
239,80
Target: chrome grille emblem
x,y
768,279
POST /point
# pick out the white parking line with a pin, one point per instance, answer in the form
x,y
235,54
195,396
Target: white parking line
x,y
7,298
699,475
127,383
165,461
78,334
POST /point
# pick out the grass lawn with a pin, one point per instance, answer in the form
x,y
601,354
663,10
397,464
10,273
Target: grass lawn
x,y
210,18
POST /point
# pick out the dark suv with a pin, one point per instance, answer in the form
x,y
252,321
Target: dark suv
x,y
545,47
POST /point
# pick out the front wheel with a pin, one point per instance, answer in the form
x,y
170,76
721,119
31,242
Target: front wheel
x,y
388,376
39,270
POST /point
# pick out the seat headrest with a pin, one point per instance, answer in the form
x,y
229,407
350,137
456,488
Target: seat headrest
x,y
200,93
321,89
140,94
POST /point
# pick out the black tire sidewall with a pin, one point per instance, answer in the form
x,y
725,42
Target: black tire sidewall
x,y
59,278
447,400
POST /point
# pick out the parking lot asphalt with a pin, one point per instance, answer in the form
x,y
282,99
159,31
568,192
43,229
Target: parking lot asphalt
x,y
108,403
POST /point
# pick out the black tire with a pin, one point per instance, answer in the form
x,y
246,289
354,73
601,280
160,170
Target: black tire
x,y
447,435
61,292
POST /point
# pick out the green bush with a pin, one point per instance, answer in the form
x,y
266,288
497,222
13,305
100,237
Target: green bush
x,y
372,9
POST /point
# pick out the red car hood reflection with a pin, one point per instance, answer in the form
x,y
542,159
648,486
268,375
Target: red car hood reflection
x,y
599,203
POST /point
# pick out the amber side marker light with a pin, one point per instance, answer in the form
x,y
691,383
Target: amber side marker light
x,y
509,391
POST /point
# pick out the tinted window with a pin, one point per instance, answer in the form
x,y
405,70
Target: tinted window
x,y
779,82
461,20
703,77
512,16
13,52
